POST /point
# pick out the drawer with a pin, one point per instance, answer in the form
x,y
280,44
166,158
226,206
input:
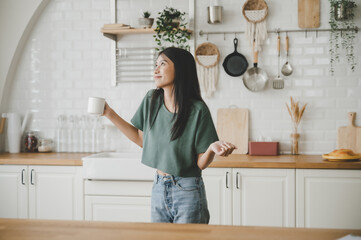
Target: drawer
x,y
118,188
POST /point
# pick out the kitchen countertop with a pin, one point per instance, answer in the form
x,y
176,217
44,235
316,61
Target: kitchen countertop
x,y
281,161
57,159
232,161
53,229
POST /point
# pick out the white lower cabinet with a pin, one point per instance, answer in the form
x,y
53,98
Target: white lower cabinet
x,y
218,184
251,197
41,192
328,198
121,201
264,197
14,191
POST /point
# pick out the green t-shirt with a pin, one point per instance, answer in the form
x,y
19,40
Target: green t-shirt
x,y
177,157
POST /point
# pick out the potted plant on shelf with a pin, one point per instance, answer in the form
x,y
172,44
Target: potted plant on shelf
x,y
341,17
146,21
171,30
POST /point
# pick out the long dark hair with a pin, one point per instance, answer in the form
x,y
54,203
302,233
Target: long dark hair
x,y
186,88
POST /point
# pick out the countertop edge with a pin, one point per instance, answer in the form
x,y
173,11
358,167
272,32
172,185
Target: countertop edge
x,y
232,161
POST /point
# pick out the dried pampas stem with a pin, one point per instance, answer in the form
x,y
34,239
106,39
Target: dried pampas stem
x,y
295,113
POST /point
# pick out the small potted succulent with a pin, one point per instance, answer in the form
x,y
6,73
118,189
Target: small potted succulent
x,y
146,21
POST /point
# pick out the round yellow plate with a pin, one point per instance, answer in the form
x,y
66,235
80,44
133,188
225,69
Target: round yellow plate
x,y
336,159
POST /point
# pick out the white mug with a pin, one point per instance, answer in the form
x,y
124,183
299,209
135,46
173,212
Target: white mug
x,y
96,105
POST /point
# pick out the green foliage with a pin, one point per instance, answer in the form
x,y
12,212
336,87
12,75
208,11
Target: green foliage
x,y
346,37
146,14
169,31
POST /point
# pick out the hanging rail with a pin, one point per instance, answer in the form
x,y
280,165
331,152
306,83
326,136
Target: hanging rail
x,y
201,33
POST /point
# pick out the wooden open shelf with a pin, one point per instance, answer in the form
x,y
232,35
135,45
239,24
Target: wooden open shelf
x,y
128,31
112,33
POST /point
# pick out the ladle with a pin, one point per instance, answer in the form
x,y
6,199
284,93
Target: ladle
x,y
287,68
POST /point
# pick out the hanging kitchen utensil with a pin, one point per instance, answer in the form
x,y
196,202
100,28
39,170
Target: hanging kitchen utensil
x,y
278,82
255,12
207,57
235,64
255,79
287,68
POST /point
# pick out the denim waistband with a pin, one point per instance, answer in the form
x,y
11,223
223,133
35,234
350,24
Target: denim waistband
x,y
170,178
166,178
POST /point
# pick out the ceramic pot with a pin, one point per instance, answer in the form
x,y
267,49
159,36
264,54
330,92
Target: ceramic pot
x,y
146,22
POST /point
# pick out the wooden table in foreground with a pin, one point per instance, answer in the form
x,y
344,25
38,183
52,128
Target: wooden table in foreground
x,y
11,229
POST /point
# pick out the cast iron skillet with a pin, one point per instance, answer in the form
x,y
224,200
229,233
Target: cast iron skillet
x,y
235,64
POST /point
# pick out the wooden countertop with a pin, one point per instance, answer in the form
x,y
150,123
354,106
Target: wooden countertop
x,y
232,161
57,159
281,161
12,229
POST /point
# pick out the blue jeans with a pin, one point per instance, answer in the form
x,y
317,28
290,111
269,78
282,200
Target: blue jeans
x,y
179,200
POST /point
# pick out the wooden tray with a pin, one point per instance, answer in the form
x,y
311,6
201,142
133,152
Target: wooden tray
x,y
341,159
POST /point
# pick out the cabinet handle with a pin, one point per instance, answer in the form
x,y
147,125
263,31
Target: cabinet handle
x,y
22,177
31,177
227,173
237,175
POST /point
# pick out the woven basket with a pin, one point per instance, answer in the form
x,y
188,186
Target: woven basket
x,y
255,7
207,49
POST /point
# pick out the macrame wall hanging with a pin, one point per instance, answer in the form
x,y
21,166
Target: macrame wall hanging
x,y
207,57
255,12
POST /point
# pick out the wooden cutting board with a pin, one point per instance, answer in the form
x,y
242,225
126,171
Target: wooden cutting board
x,y
308,13
232,126
349,137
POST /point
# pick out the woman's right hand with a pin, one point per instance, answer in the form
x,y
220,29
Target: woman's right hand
x,y
107,110
222,148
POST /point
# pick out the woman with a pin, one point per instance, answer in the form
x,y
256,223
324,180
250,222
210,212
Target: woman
x,y
174,127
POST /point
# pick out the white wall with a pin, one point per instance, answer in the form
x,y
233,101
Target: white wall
x,y
17,18
66,59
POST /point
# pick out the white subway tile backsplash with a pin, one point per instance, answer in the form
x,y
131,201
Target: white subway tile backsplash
x,y
313,93
302,40
303,82
323,103
82,5
64,104
302,61
313,51
347,103
322,61
336,92
100,4
322,39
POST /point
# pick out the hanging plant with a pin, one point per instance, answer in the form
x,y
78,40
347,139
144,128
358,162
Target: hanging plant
x,y
171,30
341,17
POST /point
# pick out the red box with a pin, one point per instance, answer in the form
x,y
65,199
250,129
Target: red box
x,y
263,148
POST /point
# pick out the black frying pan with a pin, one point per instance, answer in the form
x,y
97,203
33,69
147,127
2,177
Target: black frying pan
x,y
235,64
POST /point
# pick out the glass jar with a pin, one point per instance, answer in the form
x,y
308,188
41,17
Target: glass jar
x,y
294,143
45,145
31,142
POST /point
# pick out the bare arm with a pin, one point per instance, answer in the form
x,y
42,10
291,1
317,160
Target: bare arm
x,y
133,133
220,148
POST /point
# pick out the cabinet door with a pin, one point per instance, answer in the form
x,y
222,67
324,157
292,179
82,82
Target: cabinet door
x,y
264,197
55,192
218,184
117,208
328,198
14,191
